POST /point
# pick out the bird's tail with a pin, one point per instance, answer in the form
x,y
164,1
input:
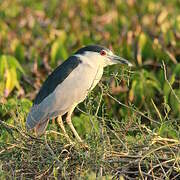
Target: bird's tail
x,y
36,120
41,127
31,122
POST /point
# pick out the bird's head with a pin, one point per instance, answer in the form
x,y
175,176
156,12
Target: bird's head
x,y
101,56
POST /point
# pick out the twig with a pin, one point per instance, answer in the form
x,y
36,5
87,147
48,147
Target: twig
x,y
138,112
171,56
154,150
165,76
136,172
161,163
99,101
157,110
10,147
11,128
51,151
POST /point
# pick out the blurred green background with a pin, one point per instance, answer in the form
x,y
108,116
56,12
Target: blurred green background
x,y
36,36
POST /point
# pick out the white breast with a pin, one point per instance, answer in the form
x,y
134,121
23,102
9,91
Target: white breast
x,y
73,89
97,77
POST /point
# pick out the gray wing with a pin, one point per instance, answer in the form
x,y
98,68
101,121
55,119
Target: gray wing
x,y
57,77
71,91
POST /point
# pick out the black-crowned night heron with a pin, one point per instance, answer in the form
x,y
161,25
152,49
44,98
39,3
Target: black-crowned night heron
x,y
68,85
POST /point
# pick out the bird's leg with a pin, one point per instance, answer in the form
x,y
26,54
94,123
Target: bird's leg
x,y
68,120
61,124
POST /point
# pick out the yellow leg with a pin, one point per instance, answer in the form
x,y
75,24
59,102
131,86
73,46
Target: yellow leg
x,y
61,124
68,120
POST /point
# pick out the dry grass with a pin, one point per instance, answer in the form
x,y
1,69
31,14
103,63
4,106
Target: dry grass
x,y
111,154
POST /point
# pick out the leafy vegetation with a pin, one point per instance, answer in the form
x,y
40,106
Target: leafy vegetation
x,y
130,122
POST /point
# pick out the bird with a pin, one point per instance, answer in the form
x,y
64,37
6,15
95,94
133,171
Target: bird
x,y
67,86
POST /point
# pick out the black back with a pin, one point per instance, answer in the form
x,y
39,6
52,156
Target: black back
x,y
93,48
56,77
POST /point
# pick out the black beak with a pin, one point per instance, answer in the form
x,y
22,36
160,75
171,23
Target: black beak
x,y
120,60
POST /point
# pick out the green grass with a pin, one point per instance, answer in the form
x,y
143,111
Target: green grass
x,y
131,120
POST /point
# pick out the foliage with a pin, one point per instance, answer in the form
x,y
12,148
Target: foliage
x,y
9,67
131,121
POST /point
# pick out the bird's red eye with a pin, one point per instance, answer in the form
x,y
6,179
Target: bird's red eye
x,y
103,53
